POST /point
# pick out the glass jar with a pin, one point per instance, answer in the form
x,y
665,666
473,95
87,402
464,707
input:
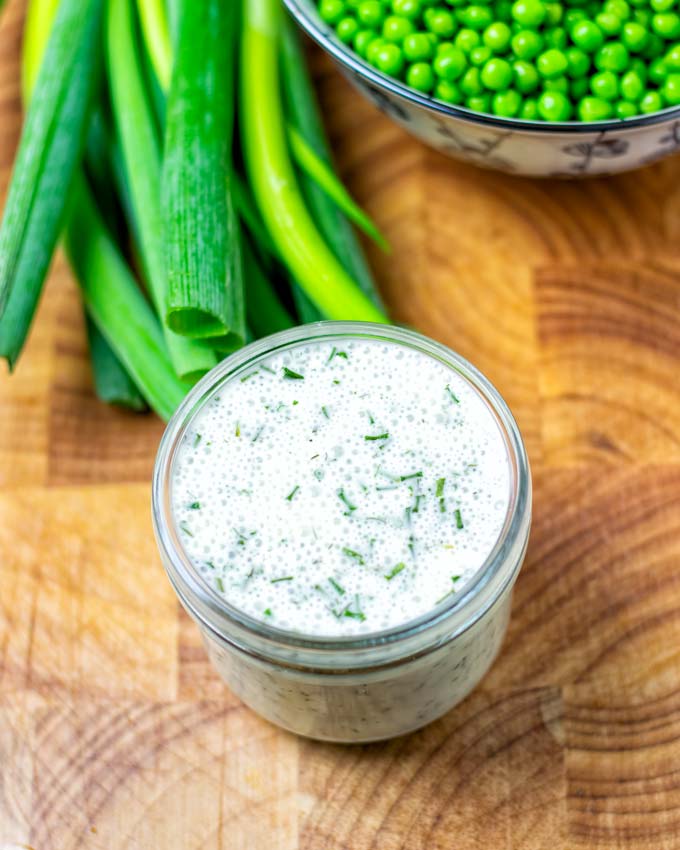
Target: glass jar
x,y
355,688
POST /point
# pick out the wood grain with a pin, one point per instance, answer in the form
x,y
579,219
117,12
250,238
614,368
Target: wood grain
x,y
115,734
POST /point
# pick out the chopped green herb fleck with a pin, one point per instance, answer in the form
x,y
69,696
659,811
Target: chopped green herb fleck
x,y
440,487
357,615
454,398
295,402
336,382
350,507
454,579
352,554
325,412
257,436
220,584
197,440
318,474
210,564
442,506
416,506
412,475
291,495
249,376
194,506
267,612
411,544
336,353
283,578
268,369
370,418
395,571
459,518
237,432
337,587
293,376
384,436
185,528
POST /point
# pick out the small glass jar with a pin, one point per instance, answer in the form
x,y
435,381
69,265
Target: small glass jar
x,y
357,688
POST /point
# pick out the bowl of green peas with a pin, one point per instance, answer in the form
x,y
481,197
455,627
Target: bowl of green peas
x,y
534,87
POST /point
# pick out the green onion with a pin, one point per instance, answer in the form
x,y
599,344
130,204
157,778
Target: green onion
x,y
201,231
117,305
157,39
137,133
266,314
395,571
326,179
272,176
112,383
48,154
303,114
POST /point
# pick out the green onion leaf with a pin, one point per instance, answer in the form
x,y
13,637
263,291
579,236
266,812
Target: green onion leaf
x,y
201,232
49,152
137,133
112,383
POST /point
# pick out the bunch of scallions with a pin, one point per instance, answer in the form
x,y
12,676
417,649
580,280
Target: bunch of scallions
x,y
175,148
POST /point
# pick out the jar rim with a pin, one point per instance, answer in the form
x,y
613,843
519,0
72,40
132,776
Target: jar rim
x,y
431,628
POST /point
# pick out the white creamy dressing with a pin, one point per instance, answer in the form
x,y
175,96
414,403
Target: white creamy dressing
x,y
341,487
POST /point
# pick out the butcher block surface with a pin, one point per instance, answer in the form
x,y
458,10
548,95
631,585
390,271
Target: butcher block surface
x,y
115,734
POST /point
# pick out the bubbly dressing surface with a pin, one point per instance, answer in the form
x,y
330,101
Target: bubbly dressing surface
x,y
341,487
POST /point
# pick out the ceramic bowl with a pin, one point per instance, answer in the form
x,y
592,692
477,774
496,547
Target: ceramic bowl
x,y
532,148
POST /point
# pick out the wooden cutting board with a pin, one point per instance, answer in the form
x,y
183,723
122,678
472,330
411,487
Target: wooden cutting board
x,y
114,732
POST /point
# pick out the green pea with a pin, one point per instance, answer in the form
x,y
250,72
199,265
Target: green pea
x,y
578,62
553,14
672,58
370,13
657,71
441,22
506,103
420,77
655,46
471,83
390,59
417,47
554,106
529,13
496,74
605,85
479,102
625,109
529,110
559,84
395,29
480,55
503,11
525,76
671,89
572,17
587,35
619,8
662,5
448,92
374,48
634,36
362,40
407,8
643,17
640,68
331,11
609,23
526,44
594,109
612,56
346,29
476,17
631,86
579,88
556,37
497,36
467,40
450,64
552,63
650,102
666,24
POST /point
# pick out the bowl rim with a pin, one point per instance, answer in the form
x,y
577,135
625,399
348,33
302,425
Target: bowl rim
x,y
325,37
